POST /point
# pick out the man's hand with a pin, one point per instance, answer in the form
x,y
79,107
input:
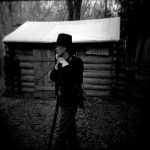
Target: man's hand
x,y
61,61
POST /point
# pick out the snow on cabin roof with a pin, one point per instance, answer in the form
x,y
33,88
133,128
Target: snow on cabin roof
x,y
97,30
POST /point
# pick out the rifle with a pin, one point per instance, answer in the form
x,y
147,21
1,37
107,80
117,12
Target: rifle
x,y
57,93
53,124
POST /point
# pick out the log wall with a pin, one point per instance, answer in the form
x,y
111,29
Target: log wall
x,y
98,71
27,70
35,65
102,69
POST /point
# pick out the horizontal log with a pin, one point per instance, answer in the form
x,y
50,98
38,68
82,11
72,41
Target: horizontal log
x,y
44,59
97,93
96,59
97,66
27,71
96,87
28,84
26,58
96,81
27,78
45,88
24,52
97,74
25,89
98,51
36,59
26,65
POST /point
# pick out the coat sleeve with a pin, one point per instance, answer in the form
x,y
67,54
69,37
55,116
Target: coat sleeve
x,y
64,74
54,75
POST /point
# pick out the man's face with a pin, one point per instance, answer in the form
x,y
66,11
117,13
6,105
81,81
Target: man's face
x,y
59,51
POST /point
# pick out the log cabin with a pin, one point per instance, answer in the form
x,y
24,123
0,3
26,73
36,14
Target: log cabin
x,y
96,41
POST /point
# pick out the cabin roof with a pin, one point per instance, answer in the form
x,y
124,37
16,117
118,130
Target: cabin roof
x,y
96,30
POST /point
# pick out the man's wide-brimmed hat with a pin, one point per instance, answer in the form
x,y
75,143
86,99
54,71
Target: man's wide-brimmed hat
x,y
64,40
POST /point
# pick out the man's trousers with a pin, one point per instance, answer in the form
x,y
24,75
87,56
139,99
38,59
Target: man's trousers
x,y
66,133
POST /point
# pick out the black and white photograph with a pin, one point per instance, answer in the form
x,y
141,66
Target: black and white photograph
x,y
74,74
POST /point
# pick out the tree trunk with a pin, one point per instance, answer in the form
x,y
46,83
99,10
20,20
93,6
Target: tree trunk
x,y
77,9
105,8
74,8
70,9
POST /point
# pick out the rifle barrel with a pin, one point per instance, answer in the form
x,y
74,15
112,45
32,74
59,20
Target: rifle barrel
x,y
53,125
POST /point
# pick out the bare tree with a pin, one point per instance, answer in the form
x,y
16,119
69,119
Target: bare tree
x,y
105,7
74,7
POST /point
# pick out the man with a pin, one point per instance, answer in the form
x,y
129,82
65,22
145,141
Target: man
x,y
68,74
